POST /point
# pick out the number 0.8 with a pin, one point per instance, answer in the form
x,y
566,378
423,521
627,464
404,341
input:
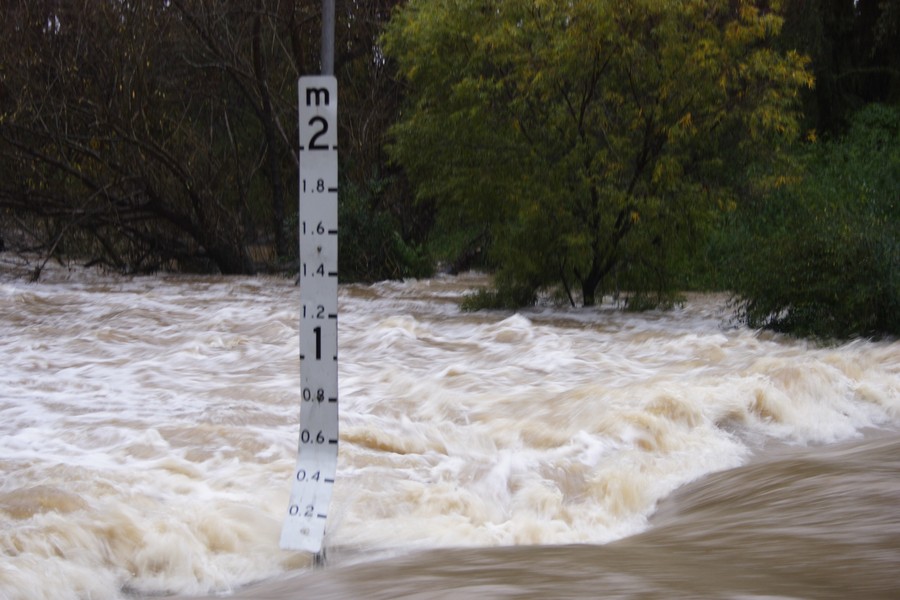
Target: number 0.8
x,y
320,394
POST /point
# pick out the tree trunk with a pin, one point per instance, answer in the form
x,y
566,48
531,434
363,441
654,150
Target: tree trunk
x,y
605,257
587,293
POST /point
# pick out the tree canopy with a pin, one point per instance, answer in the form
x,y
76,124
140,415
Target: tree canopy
x,y
854,52
571,147
821,255
595,137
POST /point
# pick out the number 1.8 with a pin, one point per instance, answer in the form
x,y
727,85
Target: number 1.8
x,y
319,187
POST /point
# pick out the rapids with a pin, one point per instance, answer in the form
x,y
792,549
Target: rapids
x,y
148,432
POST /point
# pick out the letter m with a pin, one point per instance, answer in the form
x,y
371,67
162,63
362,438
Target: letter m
x,y
320,95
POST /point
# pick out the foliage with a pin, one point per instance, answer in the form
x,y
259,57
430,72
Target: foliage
x,y
371,247
592,137
822,255
855,56
370,99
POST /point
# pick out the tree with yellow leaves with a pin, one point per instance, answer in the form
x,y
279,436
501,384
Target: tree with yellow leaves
x,y
593,139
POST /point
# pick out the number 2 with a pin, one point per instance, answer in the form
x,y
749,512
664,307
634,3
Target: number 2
x,y
313,141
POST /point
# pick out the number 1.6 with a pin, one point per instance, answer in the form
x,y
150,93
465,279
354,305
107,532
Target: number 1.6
x,y
319,228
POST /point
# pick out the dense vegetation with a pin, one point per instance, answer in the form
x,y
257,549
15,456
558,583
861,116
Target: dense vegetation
x,y
591,138
152,134
821,254
574,148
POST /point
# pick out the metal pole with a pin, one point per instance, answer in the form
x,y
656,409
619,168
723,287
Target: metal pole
x,y
327,37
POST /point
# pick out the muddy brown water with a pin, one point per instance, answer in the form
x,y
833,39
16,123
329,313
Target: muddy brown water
x,y
148,431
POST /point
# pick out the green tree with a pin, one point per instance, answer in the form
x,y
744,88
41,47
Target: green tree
x,y
593,138
382,230
822,255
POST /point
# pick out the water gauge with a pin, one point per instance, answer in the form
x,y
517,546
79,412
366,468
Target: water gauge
x,y
313,479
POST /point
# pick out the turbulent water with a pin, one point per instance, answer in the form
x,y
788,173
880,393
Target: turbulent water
x,y
148,433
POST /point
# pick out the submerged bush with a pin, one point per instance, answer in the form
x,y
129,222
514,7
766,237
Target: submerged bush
x,y
821,257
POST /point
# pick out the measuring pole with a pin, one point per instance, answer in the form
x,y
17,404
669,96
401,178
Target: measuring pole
x,y
327,37
304,527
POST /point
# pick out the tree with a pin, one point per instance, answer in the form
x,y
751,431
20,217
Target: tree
x,y
258,49
149,134
595,138
822,257
137,136
855,57
382,233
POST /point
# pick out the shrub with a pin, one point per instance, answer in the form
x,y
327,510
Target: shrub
x,y
821,257
371,246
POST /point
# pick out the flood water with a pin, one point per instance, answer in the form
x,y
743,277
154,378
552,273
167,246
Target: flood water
x,y
148,434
